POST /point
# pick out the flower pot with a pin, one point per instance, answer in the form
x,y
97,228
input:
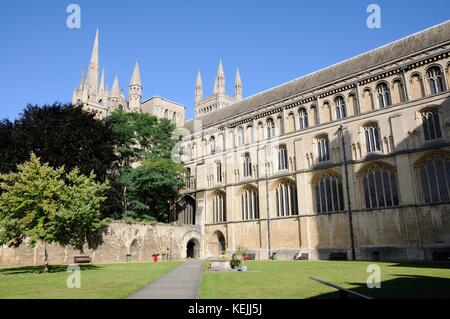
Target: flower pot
x,y
243,268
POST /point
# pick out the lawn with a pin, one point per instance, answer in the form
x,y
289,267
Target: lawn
x,y
289,279
97,281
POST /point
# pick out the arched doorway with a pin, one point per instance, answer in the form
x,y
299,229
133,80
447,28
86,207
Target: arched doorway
x,y
221,243
193,249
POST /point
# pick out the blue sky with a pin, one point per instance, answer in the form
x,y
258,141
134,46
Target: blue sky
x,y
270,41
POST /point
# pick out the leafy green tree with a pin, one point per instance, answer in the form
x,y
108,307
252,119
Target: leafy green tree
x,y
148,191
60,135
154,188
44,204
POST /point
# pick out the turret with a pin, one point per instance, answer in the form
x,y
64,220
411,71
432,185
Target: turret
x,y
219,83
198,89
238,86
135,90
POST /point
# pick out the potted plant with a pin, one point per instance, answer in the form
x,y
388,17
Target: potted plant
x,y
243,253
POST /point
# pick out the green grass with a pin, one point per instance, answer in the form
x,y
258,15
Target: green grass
x,y
97,281
289,279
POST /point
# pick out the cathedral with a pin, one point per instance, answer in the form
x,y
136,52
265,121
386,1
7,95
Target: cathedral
x,y
348,162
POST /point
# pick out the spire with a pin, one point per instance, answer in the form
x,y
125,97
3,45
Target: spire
x,y
219,83
136,77
92,75
115,91
135,90
101,90
238,86
198,88
82,80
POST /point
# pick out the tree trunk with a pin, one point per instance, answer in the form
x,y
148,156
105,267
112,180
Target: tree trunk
x,y
45,257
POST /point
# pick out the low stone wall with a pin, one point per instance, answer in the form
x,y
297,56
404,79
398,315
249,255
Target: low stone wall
x,y
139,241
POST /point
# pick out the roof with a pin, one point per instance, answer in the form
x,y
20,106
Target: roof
x,y
417,42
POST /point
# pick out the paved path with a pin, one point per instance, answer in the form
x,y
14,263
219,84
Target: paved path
x,y
182,282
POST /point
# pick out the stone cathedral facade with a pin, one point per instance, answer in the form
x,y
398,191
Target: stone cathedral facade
x,y
350,161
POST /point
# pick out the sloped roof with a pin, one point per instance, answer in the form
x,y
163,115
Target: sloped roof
x,y
395,50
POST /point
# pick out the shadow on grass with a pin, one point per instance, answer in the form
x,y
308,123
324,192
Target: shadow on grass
x,y
430,265
40,269
402,287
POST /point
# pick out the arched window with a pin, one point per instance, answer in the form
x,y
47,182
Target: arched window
x,y
431,125
372,135
282,157
166,114
435,179
328,192
219,178
249,204
303,118
218,203
435,80
323,148
286,199
398,94
384,96
186,215
260,131
247,165
212,145
174,117
270,128
249,134
380,187
240,136
341,111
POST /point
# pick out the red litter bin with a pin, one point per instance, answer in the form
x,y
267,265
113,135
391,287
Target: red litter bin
x,y
155,258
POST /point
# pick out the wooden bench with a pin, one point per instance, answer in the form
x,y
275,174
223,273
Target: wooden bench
x,y
343,292
338,256
302,256
81,259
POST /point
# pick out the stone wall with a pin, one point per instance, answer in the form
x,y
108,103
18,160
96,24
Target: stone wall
x,y
140,241
401,234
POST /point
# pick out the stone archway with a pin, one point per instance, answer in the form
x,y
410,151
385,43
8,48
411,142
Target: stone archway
x,y
221,243
193,249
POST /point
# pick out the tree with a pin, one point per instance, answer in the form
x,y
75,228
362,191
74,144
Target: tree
x,y
154,188
42,203
145,175
60,135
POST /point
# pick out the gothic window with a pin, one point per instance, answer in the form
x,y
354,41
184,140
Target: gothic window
x,y
303,118
341,111
384,96
218,204
328,193
398,92
240,136
270,128
435,80
219,172
282,157
249,204
286,199
247,165
380,187
187,214
431,125
434,179
323,148
372,136
212,145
